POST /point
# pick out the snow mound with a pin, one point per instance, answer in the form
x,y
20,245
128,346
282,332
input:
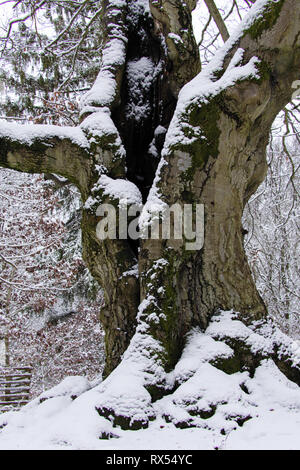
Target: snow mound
x,y
125,191
28,134
71,387
208,405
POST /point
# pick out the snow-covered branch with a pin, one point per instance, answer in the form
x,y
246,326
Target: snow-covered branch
x,y
45,149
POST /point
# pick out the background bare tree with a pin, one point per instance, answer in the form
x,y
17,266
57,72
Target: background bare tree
x,y
272,221
45,288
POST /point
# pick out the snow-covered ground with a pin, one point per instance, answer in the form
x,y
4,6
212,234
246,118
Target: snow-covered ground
x,y
238,411
61,423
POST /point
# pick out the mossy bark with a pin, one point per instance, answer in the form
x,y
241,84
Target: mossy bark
x,y
225,168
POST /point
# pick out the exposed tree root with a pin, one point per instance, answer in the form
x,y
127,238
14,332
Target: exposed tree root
x,y
212,383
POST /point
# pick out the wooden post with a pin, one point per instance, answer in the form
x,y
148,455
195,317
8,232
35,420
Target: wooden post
x,y
14,386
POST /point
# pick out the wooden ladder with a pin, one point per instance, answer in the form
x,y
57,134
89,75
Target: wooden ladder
x,y
14,387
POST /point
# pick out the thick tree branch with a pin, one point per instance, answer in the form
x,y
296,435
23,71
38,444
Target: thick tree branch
x,y
173,22
46,149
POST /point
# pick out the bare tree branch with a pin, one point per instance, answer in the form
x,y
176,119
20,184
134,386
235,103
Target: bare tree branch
x,y
215,13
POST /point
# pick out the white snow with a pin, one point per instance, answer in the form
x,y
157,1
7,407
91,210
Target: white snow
x,y
123,190
176,38
103,91
134,271
99,123
154,204
71,386
140,75
202,89
126,192
28,133
267,405
200,348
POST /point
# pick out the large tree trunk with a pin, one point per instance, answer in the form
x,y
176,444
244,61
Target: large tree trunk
x,y
217,131
220,168
167,74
